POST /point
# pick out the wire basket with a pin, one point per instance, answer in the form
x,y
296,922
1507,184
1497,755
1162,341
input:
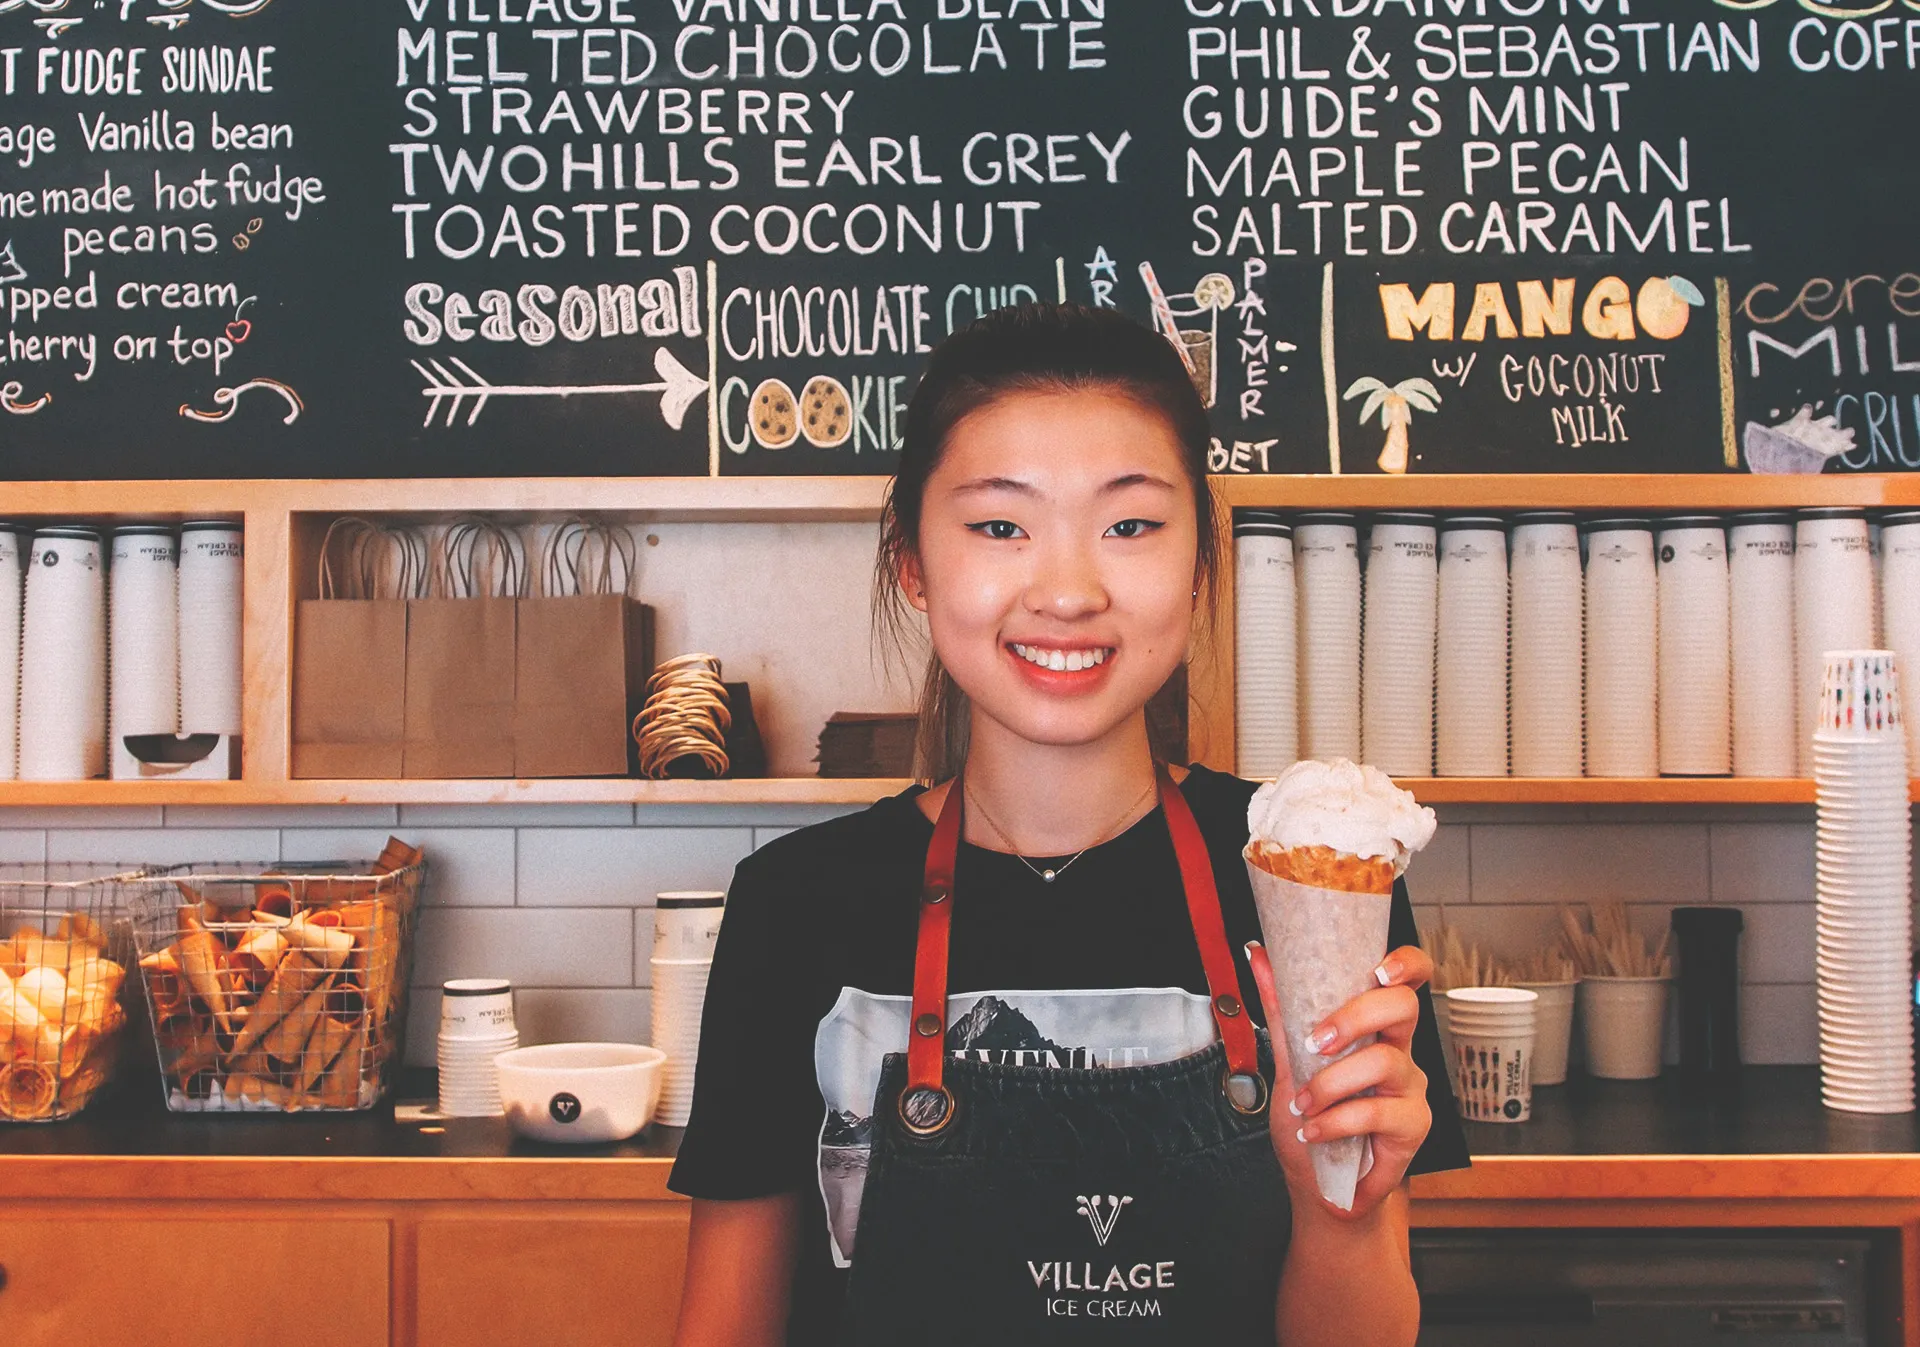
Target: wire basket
x,y
278,990
64,950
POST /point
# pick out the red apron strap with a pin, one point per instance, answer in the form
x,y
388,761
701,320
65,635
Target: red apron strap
x,y
926,1105
927,1033
1209,930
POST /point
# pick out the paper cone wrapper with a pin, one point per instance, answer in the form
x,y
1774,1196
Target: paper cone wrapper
x,y
1323,945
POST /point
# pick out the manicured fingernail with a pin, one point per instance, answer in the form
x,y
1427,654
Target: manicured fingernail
x,y
1296,1105
1321,1039
1385,974
1301,1135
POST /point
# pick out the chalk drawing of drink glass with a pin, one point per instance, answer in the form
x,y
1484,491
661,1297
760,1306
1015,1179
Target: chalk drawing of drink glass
x,y
1199,309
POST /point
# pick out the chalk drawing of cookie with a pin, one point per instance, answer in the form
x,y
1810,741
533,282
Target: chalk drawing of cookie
x,y
826,412
772,414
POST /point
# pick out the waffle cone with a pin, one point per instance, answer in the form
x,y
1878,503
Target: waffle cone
x,y
1323,868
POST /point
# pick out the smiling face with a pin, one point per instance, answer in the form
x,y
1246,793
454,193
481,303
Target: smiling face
x,y
1056,561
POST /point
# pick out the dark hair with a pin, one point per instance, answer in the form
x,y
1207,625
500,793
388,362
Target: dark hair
x,y
1030,348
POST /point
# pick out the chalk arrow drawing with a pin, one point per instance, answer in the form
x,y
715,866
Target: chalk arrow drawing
x,y
679,388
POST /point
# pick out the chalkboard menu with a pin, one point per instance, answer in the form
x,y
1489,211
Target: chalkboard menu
x,y
687,237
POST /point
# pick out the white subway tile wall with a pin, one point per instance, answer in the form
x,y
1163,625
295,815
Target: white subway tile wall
x,y
560,898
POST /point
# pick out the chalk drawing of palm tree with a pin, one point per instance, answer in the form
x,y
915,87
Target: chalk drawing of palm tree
x,y
1396,406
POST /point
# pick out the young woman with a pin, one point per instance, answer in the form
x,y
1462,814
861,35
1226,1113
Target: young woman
x,y
977,1063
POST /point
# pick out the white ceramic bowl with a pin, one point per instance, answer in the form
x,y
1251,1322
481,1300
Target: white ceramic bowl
x,y
584,1092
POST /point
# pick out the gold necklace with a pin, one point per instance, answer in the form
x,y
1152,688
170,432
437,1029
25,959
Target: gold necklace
x,y
1052,873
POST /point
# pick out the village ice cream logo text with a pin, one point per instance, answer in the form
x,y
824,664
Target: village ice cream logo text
x,y
1091,1291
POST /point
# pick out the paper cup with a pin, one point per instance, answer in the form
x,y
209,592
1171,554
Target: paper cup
x,y
686,925
1760,566
1324,946
212,559
1859,696
478,1008
1625,1020
1490,1075
1552,1029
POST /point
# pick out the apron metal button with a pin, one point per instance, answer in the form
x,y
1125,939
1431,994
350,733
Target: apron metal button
x,y
1247,1094
1227,1005
936,894
928,1025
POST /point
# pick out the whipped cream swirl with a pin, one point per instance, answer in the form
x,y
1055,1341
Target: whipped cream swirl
x,y
1341,805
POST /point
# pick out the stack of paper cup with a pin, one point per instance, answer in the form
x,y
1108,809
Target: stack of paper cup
x,y
686,925
1863,917
1266,637
1326,559
1548,617
1493,1033
1832,606
1879,557
211,560
1760,565
1396,685
13,594
1899,601
1552,1029
63,660
1622,640
1695,647
1470,685
143,657
476,1026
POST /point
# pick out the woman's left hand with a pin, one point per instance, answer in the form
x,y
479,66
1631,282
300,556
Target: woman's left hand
x,y
1394,1114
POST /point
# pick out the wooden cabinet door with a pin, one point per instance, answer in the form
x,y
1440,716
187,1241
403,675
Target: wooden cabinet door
x,y
593,1279
107,1282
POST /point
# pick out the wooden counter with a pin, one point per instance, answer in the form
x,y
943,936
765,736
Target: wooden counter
x,y
463,1227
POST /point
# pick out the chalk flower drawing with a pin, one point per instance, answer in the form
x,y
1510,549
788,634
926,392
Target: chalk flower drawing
x,y
1396,406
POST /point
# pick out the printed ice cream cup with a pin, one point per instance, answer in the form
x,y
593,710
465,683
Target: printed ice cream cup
x,y
1326,842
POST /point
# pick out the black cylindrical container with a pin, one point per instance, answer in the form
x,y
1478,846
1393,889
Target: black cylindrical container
x,y
1709,940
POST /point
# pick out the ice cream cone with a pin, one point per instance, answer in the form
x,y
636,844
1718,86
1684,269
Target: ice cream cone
x,y
323,941
28,1091
296,976
1326,842
81,929
1324,945
199,959
330,1039
288,1039
259,953
340,1087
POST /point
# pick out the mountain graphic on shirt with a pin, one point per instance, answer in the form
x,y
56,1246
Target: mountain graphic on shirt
x,y
993,1025
846,1128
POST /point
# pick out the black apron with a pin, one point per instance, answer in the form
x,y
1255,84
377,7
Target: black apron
x,y
1019,1204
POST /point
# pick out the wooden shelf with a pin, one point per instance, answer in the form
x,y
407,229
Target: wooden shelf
x,y
757,791
704,499
1611,790
1526,491
854,791
282,519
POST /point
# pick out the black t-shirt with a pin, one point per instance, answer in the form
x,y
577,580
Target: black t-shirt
x,y
814,968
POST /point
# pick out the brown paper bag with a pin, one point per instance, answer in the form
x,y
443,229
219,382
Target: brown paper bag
x,y
460,656
459,688
583,653
581,662
349,657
